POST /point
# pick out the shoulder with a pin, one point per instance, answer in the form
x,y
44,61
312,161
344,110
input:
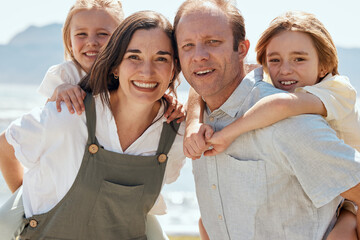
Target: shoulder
x,y
68,71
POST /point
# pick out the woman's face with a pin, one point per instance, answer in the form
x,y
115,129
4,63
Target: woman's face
x,y
147,66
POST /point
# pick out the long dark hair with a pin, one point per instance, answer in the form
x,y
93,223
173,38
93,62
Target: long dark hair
x,y
101,80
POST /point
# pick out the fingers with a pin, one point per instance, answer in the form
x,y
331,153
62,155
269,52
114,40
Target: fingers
x,y
195,143
175,110
72,96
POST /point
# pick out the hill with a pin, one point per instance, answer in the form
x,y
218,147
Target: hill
x,y
26,58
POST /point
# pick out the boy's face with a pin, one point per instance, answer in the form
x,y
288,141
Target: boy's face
x,y
292,61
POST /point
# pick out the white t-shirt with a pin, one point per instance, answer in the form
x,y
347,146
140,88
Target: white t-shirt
x,y
66,72
339,99
51,145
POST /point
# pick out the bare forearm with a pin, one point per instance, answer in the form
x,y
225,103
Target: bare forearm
x,y
11,168
195,107
274,108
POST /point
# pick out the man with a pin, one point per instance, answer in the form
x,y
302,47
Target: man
x,y
280,182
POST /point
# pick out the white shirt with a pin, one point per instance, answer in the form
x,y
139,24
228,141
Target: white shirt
x,y
278,182
66,72
339,99
51,145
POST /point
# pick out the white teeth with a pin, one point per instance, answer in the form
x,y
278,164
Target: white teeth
x,y
91,54
145,85
287,82
204,72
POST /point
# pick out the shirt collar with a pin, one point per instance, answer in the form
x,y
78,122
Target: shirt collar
x,y
237,98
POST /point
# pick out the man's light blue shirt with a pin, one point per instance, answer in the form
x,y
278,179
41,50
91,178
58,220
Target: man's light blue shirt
x,y
279,182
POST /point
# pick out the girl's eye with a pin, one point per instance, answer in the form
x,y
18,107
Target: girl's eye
x,y
103,34
81,34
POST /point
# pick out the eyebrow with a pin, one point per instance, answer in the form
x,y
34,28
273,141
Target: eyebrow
x,y
158,53
293,53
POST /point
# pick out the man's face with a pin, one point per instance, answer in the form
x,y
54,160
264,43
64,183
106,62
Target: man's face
x,y
208,61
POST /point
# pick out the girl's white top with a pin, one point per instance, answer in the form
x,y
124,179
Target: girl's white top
x,y
51,146
339,99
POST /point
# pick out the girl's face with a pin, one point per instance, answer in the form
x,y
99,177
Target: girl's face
x,y
89,31
147,67
292,61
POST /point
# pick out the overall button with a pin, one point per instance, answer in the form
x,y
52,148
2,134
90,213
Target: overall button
x,y
162,158
33,223
93,148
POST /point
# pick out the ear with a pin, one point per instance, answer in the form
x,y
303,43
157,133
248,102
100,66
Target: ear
x,y
243,48
322,72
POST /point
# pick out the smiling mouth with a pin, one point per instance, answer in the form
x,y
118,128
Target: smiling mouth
x,y
287,83
145,85
204,72
91,54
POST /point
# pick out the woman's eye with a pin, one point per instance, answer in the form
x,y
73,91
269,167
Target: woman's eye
x,y
299,59
134,57
162,59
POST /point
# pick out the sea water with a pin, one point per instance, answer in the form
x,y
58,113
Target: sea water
x,y
183,213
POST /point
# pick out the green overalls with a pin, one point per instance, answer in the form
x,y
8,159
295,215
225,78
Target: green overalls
x,y
111,195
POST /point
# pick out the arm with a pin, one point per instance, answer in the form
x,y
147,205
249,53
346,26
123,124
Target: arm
x,y
353,194
345,227
194,139
265,112
10,167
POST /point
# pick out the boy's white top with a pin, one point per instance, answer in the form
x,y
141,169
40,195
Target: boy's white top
x,y
51,145
339,99
67,72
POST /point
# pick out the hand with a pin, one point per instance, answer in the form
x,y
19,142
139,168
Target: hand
x,y
219,142
250,67
196,135
175,109
72,95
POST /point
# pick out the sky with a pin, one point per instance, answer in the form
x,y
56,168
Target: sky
x,y
341,18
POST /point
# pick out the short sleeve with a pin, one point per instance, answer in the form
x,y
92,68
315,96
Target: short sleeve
x,y
337,95
66,72
323,164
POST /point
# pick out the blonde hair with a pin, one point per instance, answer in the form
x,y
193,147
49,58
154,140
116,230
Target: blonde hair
x,y
297,21
113,7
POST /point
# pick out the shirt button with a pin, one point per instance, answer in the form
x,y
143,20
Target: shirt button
x,y
220,217
211,119
213,186
162,158
93,148
33,223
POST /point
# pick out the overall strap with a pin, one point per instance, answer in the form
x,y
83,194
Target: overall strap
x,y
90,112
167,138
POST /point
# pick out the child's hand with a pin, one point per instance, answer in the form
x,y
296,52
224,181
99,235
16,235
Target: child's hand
x,y
219,142
72,95
196,135
175,109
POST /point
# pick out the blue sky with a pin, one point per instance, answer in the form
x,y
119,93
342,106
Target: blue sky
x,y
340,17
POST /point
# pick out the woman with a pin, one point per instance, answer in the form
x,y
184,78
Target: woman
x,y
96,176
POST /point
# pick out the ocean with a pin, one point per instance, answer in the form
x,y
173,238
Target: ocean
x,y
183,213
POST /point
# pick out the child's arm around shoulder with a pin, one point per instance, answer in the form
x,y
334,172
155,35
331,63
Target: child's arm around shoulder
x,y
265,112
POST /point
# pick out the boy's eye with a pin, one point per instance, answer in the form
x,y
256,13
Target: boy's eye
x,y
299,59
274,60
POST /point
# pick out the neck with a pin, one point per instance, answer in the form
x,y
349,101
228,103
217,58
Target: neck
x,y
132,119
216,101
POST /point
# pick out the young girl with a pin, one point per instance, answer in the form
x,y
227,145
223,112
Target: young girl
x,y
127,170
298,54
87,28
